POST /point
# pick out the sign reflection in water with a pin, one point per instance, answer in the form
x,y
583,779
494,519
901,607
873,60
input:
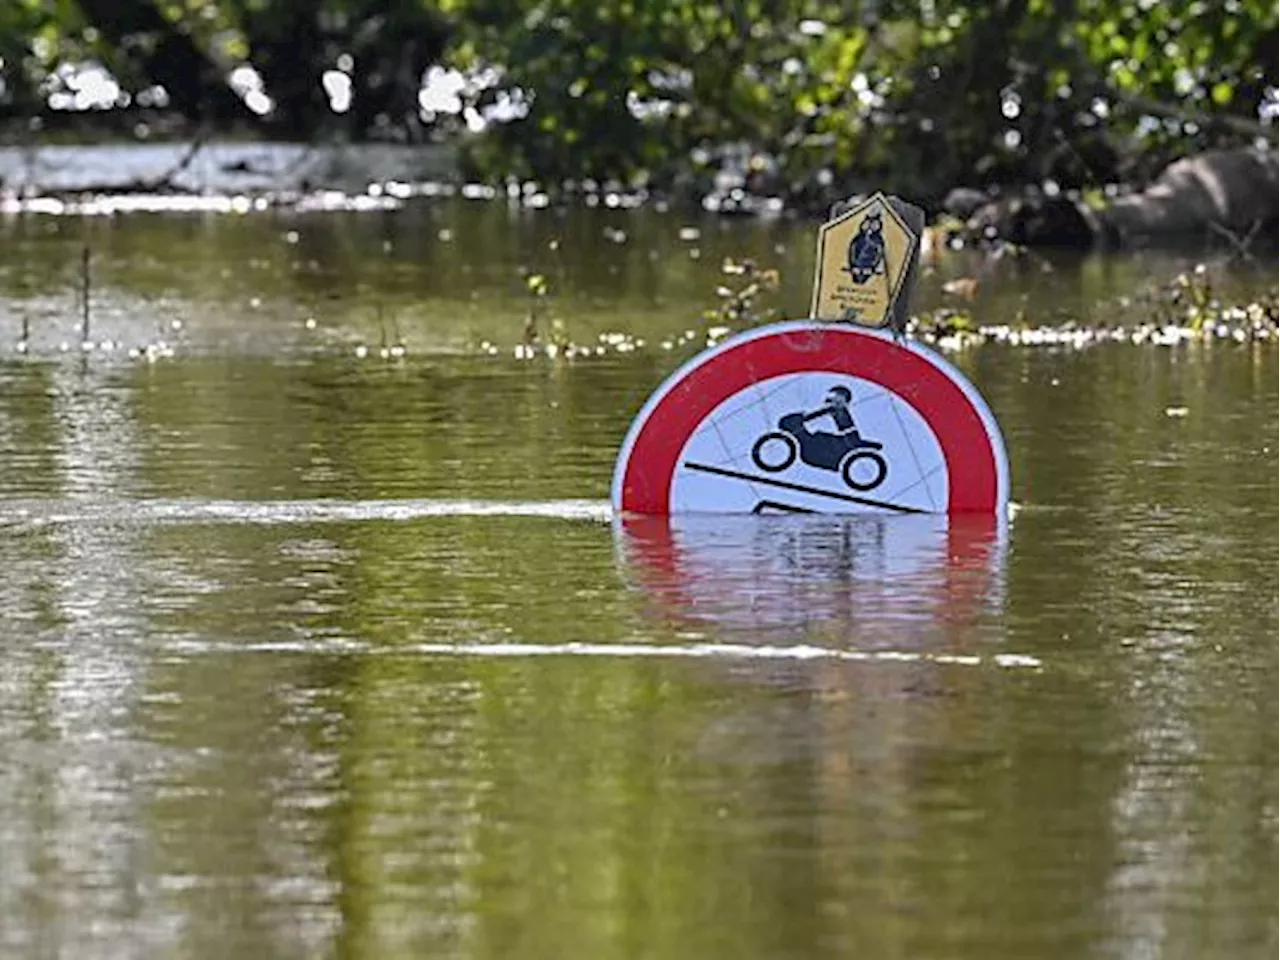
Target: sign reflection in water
x,y
915,584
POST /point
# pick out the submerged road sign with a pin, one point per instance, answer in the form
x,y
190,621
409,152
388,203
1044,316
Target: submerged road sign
x,y
807,417
812,417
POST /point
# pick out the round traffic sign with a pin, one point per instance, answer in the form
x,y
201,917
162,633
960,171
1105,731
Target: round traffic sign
x,y
807,417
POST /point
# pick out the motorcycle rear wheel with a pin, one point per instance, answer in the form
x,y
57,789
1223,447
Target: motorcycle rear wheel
x,y
775,466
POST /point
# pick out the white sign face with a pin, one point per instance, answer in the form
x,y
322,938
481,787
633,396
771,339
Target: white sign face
x,y
808,417
812,443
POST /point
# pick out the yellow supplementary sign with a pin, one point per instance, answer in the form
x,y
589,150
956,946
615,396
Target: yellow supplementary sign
x,y
865,260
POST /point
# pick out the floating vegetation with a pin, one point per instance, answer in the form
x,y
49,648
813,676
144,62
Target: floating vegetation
x,y
1181,310
391,345
1201,304
740,306
544,332
742,297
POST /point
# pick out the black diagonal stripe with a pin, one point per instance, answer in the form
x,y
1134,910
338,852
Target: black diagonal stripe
x,y
764,506
816,491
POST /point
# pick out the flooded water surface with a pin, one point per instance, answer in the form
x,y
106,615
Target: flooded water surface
x,y
311,651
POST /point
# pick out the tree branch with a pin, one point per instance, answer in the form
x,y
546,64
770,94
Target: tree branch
x,y
1158,108
166,179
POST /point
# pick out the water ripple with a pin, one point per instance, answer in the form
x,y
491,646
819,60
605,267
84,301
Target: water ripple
x,y
730,651
42,512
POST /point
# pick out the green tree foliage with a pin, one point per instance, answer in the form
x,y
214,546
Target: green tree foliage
x,y
632,90
916,95
798,96
25,28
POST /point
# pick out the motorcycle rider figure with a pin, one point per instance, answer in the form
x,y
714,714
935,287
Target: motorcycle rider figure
x,y
836,406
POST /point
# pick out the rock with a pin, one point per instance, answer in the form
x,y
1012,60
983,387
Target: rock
x,y
1034,220
1232,189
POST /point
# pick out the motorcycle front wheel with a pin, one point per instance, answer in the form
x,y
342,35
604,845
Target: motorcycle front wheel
x,y
861,481
774,451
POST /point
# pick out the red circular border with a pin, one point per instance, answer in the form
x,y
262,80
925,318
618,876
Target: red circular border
x,y
972,472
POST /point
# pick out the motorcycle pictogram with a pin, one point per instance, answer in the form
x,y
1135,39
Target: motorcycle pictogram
x,y
845,452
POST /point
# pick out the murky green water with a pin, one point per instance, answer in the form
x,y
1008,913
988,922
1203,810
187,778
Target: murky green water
x,y
312,655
